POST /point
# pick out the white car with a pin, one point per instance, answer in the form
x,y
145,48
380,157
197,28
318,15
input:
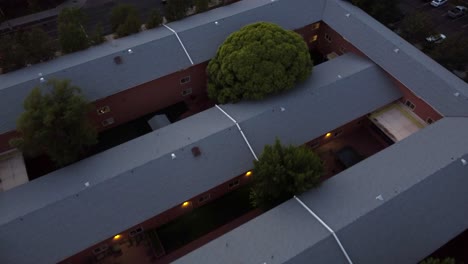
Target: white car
x,y
437,38
437,3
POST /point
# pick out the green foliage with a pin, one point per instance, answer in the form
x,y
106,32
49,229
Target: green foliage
x,y
155,19
13,55
452,52
72,36
416,27
176,9
258,60
55,123
38,45
26,47
202,5
282,172
97,36
438,261
125,20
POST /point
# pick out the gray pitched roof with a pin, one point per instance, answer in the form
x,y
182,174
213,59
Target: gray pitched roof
x,y
123,179
425,77
418,213
156,53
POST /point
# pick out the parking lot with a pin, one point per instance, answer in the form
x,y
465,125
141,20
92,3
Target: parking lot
x,y
439,15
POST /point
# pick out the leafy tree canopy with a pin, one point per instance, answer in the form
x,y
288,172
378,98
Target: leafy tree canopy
x,y
55,123
258,60
125,20
202,5
72,36
155,19
282,172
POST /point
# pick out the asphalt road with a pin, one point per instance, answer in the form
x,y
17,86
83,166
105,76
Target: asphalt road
x,y
443,23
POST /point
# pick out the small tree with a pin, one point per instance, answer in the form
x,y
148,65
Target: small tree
x,y
438,261
38,45
176,9
55,123
155,19
283,171
202,5
13,55
97,36
72,35
257,60
125,20
416,27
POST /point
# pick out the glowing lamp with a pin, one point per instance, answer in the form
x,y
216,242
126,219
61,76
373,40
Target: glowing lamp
x,y
185,204
328,135
117,237
249,173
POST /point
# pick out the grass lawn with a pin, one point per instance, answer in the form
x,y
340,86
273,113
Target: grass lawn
x,y
202,220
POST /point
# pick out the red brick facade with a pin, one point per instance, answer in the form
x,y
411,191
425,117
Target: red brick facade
x,y
167,216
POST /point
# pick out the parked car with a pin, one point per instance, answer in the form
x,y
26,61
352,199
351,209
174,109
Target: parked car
x,y
437,3
457,12
436,38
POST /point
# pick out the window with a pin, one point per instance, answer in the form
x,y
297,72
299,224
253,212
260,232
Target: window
x,y
186,92
315,26
103,110
409,104
328,38
186,79
136,231
108,122
429,120
313,38
337,133
234,184
204,198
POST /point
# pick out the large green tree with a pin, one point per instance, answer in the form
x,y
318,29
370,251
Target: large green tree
x,y
125,20
258,60
282,172
72,35
55,123
12,54
37,44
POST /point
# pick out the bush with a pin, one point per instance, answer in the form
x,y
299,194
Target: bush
x,y
154,20
125,20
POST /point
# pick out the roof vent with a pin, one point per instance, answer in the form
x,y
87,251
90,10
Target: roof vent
x,y
379,197
130,51
173,156
118,60
42,79
396,50
457,94
282,109
39,74
463,161
347,15
86,184
339,76
196,151
216,23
